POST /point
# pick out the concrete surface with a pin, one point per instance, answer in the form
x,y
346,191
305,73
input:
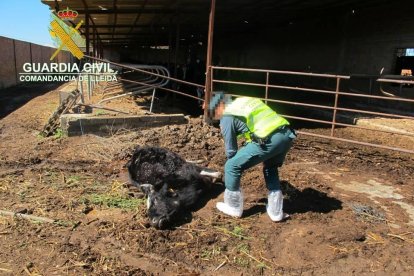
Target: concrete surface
x,y
79,124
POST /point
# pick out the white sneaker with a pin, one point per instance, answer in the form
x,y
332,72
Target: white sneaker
x,y
233,203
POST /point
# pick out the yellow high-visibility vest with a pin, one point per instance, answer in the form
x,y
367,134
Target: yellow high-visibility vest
x,y
260,118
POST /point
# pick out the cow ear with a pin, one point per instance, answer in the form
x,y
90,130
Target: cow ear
x,y
147,188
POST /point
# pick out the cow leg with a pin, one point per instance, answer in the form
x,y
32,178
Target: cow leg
x,y
210,173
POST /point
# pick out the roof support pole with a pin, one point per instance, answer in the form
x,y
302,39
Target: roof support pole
x,y
170,37
209,59
176,53
87,32
177,49
94,43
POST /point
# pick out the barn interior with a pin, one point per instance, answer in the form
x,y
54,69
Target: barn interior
x,y
365,40
329,36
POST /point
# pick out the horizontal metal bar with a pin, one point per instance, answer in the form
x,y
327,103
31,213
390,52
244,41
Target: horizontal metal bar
x,y
162,88
143,11
322,91
346,125
135,34
291,103
128,26
281,72
332,108
396,81
325,122
144,71
357,142
375,113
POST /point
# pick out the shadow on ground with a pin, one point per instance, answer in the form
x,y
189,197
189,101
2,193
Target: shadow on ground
x,y
13,98
300,201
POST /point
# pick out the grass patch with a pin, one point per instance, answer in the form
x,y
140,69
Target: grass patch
x,y
237,231
114,201
243,247
116,196
208,254
241,261
58,133
73,179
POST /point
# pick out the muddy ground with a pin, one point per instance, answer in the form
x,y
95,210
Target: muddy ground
x,y
351,206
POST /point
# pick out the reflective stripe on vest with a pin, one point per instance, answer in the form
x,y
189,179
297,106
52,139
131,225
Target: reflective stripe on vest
x,y
260,118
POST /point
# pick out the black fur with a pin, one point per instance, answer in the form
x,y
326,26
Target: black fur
x,y
174,184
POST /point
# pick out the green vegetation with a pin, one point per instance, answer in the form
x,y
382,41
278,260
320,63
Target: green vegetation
x,y
72,181
208,254
241,261
114,201
58,133
243,247
237,231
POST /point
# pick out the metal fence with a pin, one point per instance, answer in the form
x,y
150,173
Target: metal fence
x,y
151,78
334,106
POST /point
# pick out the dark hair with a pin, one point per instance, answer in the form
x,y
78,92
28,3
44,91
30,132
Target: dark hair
x,y
218,97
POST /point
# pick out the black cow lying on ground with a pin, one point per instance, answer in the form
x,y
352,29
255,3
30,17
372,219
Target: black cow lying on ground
x,y
170,183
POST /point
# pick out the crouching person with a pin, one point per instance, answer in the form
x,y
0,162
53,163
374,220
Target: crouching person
x,y
268,137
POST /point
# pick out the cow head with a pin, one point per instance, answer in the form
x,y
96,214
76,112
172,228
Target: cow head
x,y
162,205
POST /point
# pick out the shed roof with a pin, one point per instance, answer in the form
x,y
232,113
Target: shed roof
x,y
149,22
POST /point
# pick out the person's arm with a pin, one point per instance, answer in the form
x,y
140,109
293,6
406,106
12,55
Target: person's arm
x,y
229,135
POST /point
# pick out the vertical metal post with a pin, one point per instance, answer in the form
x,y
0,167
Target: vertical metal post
x,y
152,100
88,83
209,76
170,43
100,49
93,78
211,79
94,43
338,82
370,90
87,31
81,88
88,86
267,86
177,47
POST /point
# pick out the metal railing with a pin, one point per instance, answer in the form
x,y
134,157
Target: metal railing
x,y
150,78
147,82
337,93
